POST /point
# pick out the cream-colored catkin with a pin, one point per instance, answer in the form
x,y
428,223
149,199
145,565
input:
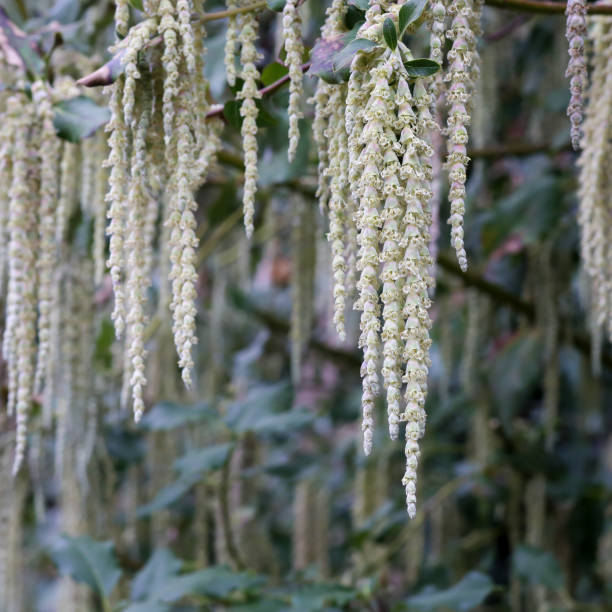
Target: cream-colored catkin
x,y
249,111
593,214
462,73
183,248
115,198
333,27
47,252
168,29
302,282
6,169
339,201
294,49
98,206
576,32
136,40
22,276
231,44
184,10
137,279
69,177
122,17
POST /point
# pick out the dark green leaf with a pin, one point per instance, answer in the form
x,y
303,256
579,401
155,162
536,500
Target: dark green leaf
x,y
78,118
161,566
421,67
193,467
148,606
24,48
169,494
137,4
537,567
273,72
362,5
250,413
342,61
390,34
353,17
216,582
316,597
467,594
88,561
231,112
276,5
409,13
167,415
204,460
261,605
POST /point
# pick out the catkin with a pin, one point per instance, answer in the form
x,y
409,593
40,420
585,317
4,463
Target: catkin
x,y
231,43
292,35
22,278
117,182
462,73
575,33
137,281
49,146
249,111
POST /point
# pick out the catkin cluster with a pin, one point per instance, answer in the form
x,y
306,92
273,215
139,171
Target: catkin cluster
x,y
44,184
376,174
595,185
160,149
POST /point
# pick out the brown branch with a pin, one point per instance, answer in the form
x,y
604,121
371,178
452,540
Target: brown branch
x,y
217,109
500,295
545,7
105,75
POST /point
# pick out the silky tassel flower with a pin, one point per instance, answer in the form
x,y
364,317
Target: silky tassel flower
x,y
183,245
117,214
22,277
47,259
184,9
137,281
168,28
122,17
292,35
231,43
463,70
337,170
249,111
576,31
136,40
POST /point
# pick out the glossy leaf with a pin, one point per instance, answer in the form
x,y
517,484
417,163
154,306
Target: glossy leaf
x,y
466,595
421,67
390,34
161,566
216,581
276,5
86,560
273,72
168,415
78,118
537,567
409,13
204,460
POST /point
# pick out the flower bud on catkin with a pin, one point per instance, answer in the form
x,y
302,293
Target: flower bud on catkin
x,y
575,33
292,34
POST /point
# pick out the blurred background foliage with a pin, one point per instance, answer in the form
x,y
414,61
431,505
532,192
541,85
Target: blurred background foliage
x,y
251,492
